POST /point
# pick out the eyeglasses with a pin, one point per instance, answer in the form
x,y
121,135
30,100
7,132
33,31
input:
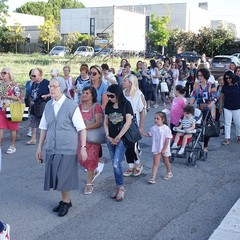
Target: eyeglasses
x,y
53,86
33,76
4,73
111,96
93,73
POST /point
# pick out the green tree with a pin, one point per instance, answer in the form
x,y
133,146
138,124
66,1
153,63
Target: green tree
x,y
16,35
52,7
72,40
159,34
49,33
3,12
34,8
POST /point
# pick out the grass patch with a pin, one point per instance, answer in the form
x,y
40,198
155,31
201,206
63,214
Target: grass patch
x,y
22,63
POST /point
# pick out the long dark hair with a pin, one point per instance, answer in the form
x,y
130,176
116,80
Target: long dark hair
x,y
117,90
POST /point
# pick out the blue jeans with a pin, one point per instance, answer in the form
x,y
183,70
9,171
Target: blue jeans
x,y
117,154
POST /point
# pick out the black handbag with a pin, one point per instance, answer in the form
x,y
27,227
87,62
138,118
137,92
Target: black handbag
x,y
212,128
133,134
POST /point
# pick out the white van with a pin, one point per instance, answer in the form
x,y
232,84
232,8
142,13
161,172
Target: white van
x,y
85,51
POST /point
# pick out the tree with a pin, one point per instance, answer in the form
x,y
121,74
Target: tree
x,y
34,8
72,40
52,7
3,12
159,33
16,35
49,33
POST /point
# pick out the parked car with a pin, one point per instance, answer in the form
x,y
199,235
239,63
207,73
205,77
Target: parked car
x,y
85,51
236,55
189,56
151,54
220,64
59,51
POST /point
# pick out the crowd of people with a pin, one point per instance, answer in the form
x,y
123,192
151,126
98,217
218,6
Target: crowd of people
x,y
66,110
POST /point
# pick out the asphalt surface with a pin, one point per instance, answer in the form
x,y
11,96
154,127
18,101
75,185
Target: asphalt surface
x,y
189,206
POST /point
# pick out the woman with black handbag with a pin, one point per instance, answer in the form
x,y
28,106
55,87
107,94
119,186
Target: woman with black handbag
x,y
204,93
115,126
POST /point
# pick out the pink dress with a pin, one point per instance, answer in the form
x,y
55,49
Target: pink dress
x,y
159,135
92,148
176,111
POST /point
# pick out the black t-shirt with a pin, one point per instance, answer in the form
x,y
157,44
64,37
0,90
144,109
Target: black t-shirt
x,y
231,96
116,117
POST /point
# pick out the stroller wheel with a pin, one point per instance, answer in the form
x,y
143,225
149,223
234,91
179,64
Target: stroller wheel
x,y
199,154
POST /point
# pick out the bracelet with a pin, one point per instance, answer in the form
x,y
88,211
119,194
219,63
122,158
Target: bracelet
x,y
83,146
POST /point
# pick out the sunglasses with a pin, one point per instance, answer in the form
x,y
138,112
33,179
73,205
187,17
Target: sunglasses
x,y
33,76
93,73
4,73
111,96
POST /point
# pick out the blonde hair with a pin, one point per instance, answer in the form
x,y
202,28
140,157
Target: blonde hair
x,y
134,88
9,71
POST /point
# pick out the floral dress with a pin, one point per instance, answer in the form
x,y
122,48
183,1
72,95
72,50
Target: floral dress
x,y
11,90
92,148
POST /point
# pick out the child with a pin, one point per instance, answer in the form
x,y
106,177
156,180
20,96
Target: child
x,y
4,231
187,125
161,135
178,104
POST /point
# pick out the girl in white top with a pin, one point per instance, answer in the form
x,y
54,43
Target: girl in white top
x,y
137,100
161,136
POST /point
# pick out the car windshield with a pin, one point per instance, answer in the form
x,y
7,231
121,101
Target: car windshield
x,y
222,60
58,48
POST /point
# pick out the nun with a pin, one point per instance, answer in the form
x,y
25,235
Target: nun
x,y
61,125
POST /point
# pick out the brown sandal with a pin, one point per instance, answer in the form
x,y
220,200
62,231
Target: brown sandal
x,y
137,171
120,195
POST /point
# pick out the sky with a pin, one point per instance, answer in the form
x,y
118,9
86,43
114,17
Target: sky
x,y
219,9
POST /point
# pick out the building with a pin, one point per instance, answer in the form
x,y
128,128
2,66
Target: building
x,y
95,21
30,23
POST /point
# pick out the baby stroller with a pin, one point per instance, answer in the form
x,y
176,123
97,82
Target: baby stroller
x,y
193,149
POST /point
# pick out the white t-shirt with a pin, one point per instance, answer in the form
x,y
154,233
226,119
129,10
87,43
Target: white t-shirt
x,y
111,76
137,104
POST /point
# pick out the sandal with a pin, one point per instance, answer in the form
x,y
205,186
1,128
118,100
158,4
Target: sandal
x,y
120,195
11,150
137,171
152,180
226,142
114,194
88,189
128,173
31,142
168,176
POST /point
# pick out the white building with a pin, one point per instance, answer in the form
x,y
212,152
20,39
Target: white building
x,y
29,22
95,20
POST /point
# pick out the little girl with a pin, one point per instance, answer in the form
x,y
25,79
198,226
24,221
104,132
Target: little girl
x,y
161,135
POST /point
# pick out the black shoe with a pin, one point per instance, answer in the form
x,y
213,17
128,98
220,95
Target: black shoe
x,y
64,209
56,209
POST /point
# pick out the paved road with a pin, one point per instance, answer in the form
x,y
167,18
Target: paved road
x,y
189,206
